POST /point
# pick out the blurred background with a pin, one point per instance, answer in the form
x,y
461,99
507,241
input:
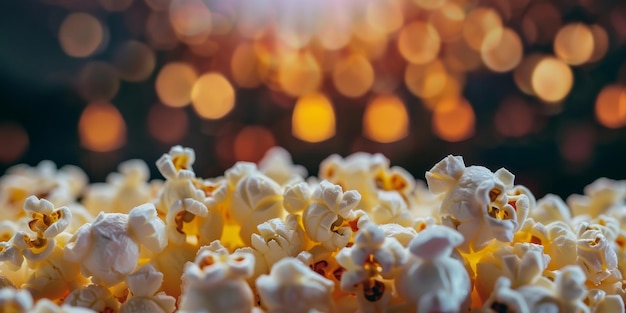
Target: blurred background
x,y
535,86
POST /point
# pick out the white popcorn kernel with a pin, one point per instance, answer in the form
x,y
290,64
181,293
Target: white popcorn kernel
x,y
551,208
143,285
433,280
571,290
34,249
46,221
595,255
147,228
392,208
325,217
294,287
475,202
255,199
178,159
296,197
10,253
558,241
277,239
13,300
403,235
601,196
94,297
278,165
47,306
356,172
505,299
105,249
215,281
372,259
522,263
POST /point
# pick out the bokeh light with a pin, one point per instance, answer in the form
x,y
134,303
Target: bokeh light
x,y
159,31
14,142
101,128
174,84
167,125
574,43
419,42
453,119
252,142
299,74
427,80
134,61
600,43
212,96
80,35
353,75
313,118
479,23
610,106
385,119
191,20
552,79
514,118
448,21
244,66
501,50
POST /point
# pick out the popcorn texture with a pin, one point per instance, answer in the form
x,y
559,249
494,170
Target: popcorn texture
x,y
363,237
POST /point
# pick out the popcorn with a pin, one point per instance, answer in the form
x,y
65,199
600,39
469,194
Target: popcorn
x,y
294,287
327,217
143,285
364,237
278,165
476,202
95,297
12,300
372,258
108,248
432,280
215,281
277,239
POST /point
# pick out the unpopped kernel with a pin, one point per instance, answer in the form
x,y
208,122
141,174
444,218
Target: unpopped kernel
x,y
363,236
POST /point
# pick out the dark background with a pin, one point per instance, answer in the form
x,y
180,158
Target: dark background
x,y
38,93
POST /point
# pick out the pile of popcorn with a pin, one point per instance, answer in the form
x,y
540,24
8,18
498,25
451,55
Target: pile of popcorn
x,y
361,237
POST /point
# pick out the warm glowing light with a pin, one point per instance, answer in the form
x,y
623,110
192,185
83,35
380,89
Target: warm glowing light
x,y
174,84
514,118
334,33
385,119
98,81
14,142
552,79
574,43
159,31
600,43
313,118
419,42
610,106
524,71
167,125
427,80
541,22
299,74
80,35
244,66
353,75
448,21
212,96
452,88
429,4
459,56
134,61
191,19
101,128
502,50
252,143
453,119
385,16
478,24
115,5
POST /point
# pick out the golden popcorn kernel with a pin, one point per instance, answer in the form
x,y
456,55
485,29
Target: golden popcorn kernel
x,y
338,273
373,290
319,267
180,162
595,242
183,217
494,193
372,267
535,240
620,241
497,213
207,261
337,224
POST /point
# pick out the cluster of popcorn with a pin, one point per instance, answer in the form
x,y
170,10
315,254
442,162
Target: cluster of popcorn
x,y
361,237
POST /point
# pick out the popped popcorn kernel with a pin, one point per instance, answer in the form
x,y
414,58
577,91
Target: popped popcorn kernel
x,y
362,237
